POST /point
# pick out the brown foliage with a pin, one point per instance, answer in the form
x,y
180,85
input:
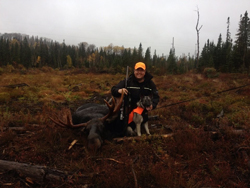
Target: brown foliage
x,y
204,151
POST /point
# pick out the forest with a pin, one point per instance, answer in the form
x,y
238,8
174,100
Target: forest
x,y
224,56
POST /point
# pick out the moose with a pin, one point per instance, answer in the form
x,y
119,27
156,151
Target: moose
x,y
98,120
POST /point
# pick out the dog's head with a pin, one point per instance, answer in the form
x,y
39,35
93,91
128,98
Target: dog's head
x,y
145,102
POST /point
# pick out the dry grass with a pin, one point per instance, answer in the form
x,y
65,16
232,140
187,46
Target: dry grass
x,y
204,151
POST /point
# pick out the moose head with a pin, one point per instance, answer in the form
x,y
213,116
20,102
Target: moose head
x,y
91,117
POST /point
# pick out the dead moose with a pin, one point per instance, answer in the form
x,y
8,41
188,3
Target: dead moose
x,y
97,119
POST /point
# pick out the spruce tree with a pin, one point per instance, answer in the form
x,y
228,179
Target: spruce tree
x,y
154,59
207,56
1,51
126,58
147,59
25,53
15,51
227,51
140,51
134,56
171,62
218,54
242,41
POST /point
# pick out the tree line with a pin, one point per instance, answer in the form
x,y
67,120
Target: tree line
x,y
225,56
228,56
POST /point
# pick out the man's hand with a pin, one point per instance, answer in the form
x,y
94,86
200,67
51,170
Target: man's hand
x,y
124,90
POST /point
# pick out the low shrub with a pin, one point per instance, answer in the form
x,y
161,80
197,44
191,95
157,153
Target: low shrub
x,y
210,72
4,97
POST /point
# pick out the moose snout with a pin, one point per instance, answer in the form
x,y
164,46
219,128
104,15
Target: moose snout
x,y
94,141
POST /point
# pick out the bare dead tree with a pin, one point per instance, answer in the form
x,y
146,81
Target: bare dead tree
x,y
198,37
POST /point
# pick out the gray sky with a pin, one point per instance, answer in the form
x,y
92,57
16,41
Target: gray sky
x,y
153,23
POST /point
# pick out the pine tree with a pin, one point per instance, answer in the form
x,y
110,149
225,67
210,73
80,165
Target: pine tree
x,y
102,57
207,56
25,53
82,51
154,59
218,54
15,51
52,55
203,58
126,58
1,51
227,51
171,62
63,54
44,53
140,51
4,51
134,56
147,59
242,41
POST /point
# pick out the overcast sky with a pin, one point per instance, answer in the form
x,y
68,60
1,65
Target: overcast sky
x,y
153,23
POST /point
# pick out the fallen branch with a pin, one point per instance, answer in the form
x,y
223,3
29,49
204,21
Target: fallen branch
x,y
72,144
133,171
36,173
110,159
21,129
16,85
238,131
13,128
158,156
137,138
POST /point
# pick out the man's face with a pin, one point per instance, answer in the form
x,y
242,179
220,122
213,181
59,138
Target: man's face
x,y
139,73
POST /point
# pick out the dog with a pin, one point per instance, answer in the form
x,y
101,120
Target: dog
x,y
139,117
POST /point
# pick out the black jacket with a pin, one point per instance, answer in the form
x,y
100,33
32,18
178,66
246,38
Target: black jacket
x,y
136,89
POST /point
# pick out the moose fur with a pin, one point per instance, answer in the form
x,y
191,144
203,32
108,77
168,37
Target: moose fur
x,y
97,120
96,129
